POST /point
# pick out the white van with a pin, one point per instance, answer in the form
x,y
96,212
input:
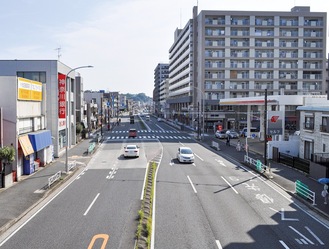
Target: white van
x,y
253,131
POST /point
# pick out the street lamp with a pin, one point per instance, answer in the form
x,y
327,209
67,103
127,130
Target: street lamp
x,y
68,116
202,111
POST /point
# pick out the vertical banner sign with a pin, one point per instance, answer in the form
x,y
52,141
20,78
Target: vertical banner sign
x,y
274,122
1,128
61,96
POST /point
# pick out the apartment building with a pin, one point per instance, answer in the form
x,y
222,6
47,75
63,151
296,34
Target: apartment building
x,y
161,73
237,54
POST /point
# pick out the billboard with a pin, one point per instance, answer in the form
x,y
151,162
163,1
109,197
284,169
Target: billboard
x,y
29,90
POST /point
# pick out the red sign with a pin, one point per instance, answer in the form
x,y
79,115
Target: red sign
x,y
274,119
61,96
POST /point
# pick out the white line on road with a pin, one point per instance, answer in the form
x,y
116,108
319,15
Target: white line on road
x,y
284,244
191,184
91,204
316,237
218,244
198,157
230,185
303,236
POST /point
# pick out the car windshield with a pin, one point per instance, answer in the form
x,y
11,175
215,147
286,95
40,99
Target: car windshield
x,y
186,151
131,147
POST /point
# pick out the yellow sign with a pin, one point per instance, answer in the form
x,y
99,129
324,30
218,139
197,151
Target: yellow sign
x,y
29,90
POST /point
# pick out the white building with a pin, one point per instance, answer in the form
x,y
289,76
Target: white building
x,y
24,126
236,54
52,74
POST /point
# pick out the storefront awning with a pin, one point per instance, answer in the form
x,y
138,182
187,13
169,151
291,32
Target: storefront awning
x,y
40,140
26,145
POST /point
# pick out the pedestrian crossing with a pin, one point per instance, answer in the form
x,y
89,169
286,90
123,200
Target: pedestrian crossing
x,y
148,137
145,131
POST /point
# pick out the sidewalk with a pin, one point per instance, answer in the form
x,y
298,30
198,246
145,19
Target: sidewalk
x,y
284,176
18,199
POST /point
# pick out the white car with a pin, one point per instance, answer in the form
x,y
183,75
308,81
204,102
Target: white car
x,y
131,150
185,155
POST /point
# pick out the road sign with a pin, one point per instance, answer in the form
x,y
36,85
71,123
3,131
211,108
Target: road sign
x,y
253,135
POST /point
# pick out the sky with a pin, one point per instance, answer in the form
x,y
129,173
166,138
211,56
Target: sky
x,y
123,40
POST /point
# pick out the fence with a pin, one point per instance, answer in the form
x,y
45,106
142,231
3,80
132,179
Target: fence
x,y
257,163
72,165
302,190
215,145
295,162
54,178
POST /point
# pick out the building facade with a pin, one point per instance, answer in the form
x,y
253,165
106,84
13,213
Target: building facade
x,y
235,54
59,111
161,73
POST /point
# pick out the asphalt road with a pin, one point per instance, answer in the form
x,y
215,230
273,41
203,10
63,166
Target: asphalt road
x,y
212,203
218,203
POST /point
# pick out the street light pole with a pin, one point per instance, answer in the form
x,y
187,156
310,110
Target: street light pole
x,y
68,115
202,111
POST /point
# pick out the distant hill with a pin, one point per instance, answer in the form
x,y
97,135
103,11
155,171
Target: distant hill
x,y
138,97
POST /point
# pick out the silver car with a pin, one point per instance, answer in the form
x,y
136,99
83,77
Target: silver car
x,y
185,155
221,134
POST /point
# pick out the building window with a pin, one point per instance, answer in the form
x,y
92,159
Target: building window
x,y
325,125
36,76
309,123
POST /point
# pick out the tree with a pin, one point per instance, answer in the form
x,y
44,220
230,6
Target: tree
x,y
7,153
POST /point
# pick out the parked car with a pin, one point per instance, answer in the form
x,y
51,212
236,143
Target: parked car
x,y
221,134
131,150
185,155
132,133
232,134
253,130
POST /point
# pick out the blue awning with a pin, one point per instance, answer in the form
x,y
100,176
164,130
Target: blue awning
x,y
40,140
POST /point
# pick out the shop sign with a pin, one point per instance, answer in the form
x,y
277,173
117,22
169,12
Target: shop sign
x,y
61,96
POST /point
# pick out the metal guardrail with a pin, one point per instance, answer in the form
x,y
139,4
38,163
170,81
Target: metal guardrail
x,y
257,163
54,178
302,190
91,147
71,165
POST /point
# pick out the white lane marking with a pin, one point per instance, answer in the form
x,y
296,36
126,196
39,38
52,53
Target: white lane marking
x,y
300,234
171,162
220,162
91,204
160,128
230,185
218,244
284,218
154,200
316,237
198,157
284,244
191,184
